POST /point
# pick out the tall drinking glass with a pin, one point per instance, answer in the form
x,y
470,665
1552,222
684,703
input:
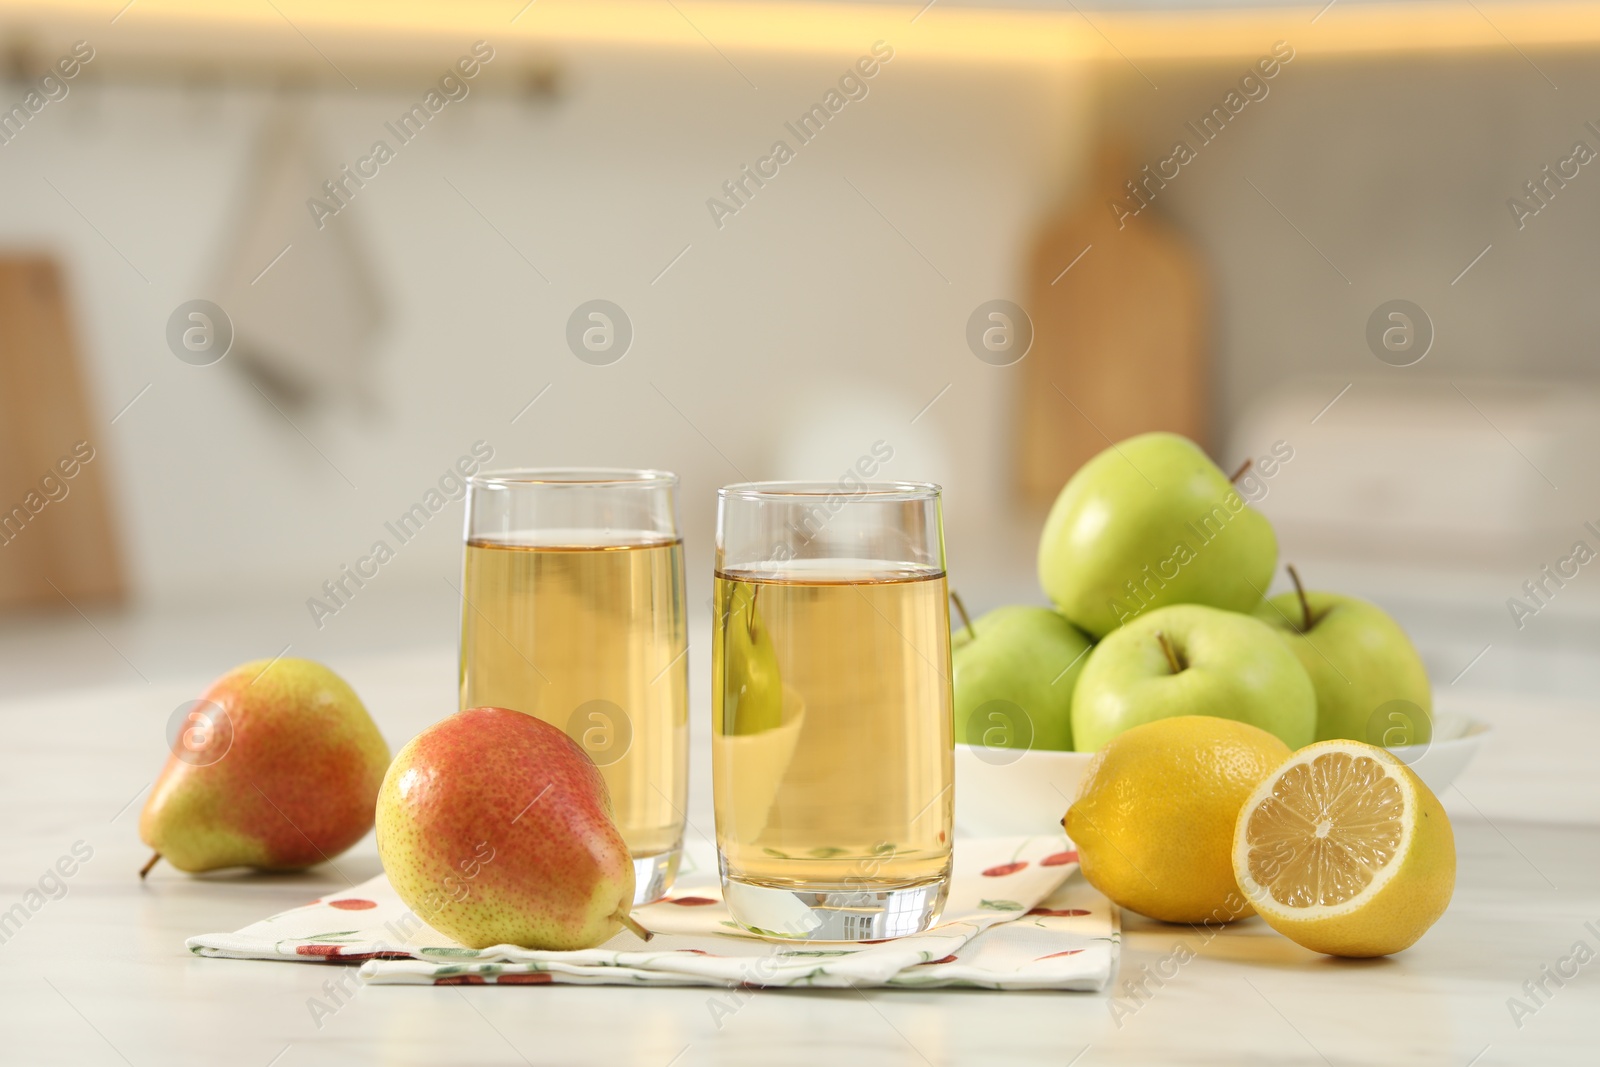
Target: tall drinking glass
x,y
573,611
832,723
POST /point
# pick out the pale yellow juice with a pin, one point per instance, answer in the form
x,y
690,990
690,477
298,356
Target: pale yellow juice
x,y
591,638
832,726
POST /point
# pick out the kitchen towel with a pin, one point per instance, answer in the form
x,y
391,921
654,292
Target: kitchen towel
x,y
303,293
1018,917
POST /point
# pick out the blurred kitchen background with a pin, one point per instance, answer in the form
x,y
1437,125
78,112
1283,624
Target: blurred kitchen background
x,y
832,310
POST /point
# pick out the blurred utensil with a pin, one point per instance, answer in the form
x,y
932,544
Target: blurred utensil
x,y
1120,345
56,535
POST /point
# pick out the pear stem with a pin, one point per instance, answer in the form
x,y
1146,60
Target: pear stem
x,y
633,925
1305,605
146,868
961,609
1246,465
1171,653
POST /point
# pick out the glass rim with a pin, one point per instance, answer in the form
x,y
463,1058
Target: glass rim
x,y
785,490
574,478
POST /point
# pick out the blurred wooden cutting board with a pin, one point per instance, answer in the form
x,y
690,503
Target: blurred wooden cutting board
x,y
56,536
1120,339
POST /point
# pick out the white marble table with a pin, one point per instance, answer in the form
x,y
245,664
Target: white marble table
x,y
100,976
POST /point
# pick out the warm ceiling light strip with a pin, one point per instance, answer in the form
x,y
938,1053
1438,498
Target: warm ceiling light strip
x,y
943,30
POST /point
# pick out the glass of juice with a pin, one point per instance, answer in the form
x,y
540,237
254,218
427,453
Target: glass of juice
x,y
573,611
832,722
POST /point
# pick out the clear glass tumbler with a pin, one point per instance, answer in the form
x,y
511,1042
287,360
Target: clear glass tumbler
x,y
573,611
832,722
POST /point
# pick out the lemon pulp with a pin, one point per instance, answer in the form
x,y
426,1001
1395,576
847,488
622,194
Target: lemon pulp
x,y
1328,829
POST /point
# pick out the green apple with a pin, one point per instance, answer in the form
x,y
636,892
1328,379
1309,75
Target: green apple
x,y
1189,659
1147,523
1014,671
752,689
1371,684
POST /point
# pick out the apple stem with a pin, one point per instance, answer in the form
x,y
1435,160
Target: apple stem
x,y
633,925
146,868
1246,465
1171,652
1305,605
961,609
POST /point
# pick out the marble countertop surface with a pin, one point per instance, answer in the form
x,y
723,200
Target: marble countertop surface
x,y
98,973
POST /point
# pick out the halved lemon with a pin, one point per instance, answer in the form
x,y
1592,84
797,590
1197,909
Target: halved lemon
x,y
1344,850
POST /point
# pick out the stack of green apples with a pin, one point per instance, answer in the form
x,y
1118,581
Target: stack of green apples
x,y
1158,571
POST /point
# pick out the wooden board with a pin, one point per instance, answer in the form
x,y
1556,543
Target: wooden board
x,y
56,537
1120,340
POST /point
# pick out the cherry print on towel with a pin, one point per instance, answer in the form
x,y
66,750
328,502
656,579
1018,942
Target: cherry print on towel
x,y
316,950
1005,869
1054,955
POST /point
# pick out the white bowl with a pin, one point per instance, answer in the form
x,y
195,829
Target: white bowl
x,y
1026,796
1456,740
1030,794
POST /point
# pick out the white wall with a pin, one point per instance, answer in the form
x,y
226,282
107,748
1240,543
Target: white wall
x,y
808,327
786,343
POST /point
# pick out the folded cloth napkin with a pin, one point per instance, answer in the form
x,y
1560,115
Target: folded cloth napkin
x,y
1018,917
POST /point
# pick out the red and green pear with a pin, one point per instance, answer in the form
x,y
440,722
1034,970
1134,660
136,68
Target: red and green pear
x,y
284,777
496,829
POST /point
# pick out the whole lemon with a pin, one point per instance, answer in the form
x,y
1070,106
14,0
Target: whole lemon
x,y
1154,817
